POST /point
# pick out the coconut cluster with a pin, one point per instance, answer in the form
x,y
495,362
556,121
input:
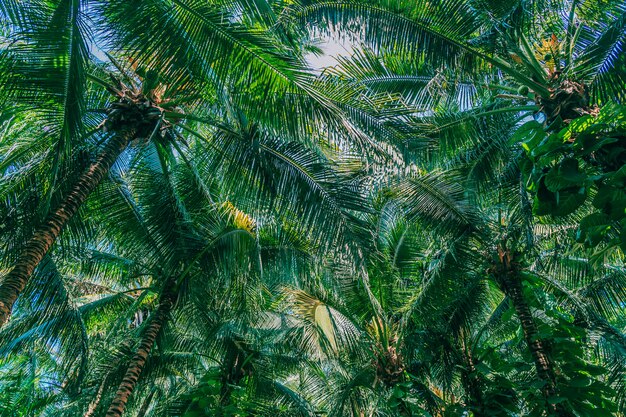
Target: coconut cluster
x,y
389,366
568,100
133,112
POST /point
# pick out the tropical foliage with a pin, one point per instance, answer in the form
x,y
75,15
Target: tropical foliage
x,y
195,220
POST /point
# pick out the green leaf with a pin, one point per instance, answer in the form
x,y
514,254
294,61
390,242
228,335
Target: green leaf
x,y
568,200
565,175
580,382
556,399
593,231
530,134
611,200
587,143
544,202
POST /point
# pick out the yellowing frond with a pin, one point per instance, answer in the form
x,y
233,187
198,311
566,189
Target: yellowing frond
x,y
239,219
549,51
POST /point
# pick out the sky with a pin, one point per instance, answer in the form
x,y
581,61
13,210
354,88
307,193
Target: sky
x,y
332,49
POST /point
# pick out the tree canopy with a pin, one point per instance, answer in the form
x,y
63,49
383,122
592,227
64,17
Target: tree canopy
x,y
195,220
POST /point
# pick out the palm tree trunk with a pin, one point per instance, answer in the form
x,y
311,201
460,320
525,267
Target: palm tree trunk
x,y
543,363
93,405
39,244
509,278
471,382
137,363
231,375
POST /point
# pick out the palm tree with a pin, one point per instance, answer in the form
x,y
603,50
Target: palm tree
x,y
146,253
479,71
129,382
349,326
202,262
534,63
34,250
563,54
145,103
161,206
512,253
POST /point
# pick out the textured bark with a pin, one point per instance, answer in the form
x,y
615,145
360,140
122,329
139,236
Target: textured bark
x,y
470,381
507,273
137,363
96,401
545,368
44,237
543,362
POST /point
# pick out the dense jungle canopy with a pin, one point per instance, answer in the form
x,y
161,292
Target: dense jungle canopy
x,y
197,218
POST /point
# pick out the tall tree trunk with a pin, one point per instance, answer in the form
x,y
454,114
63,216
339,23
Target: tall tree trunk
x,y
471,382
507,274
39,244
545,368
543,363
137,363
93,405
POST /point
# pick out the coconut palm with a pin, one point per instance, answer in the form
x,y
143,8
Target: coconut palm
x,y
471,80
474,71
495,249
160,206
565,55
160,79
